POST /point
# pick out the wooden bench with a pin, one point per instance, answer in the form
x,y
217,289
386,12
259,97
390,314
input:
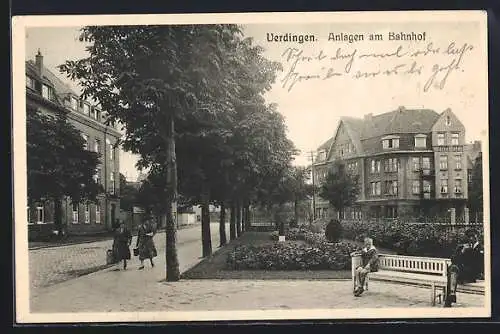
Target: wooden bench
x,y
420,271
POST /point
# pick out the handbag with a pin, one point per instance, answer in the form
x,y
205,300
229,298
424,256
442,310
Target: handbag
x,y
110,258
136,251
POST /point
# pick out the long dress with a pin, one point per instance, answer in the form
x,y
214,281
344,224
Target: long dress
x,y
145,243
121,245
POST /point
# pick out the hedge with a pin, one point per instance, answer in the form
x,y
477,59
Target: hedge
x,y
408,239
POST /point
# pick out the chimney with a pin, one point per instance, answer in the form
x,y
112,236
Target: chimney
x,y
39,61
368,117
401,108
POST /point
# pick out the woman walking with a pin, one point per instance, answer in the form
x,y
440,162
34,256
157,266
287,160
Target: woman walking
x,y
121,244
145,244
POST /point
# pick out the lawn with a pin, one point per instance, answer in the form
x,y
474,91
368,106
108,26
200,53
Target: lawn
x,y
214,266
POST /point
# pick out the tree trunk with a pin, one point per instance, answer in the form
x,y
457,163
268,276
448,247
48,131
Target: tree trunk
x,y
58,217
232,223
247,217
222,225
238,219
172,261
296,211
206,238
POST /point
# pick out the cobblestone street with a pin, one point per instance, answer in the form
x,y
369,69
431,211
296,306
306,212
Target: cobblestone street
x,y
48,266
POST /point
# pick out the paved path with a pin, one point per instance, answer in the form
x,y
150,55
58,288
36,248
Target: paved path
x,y
49,266
145,291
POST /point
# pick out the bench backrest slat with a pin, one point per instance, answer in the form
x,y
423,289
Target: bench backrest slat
x,y
414,264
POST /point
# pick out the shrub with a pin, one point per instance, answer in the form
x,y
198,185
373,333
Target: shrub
x,y
408,239
292,256
333,231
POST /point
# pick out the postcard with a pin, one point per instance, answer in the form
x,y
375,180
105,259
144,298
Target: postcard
x,y
251,166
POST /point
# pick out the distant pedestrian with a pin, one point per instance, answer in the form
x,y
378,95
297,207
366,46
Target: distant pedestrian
x,y
145,244
369,256
121,244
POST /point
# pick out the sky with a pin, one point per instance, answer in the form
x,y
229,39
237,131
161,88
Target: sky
x,y
312,104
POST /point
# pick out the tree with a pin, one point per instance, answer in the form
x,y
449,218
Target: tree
x,y
476,186
58,165
128,194
340,187
148,78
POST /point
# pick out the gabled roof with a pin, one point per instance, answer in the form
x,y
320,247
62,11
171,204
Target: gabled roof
x,y
60,87
394,122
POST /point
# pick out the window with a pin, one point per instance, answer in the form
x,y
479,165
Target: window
x,y
87,214
458,162
391,187
448,120
74,103
47,92
30,83
444,186
390,143
379,163
97,145
443,162
372,188
420,141
378,188
28,215
391,165
416,187
98,114
75,213
40,215
98,213
93,114
416,164
86,109
97,175
85,142
427,186
454,139
458,186
111,152
426,163
373,166
469,176
112,183
394,188
440,138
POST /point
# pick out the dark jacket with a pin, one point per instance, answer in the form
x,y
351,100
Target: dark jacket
x,y
121,244
469,260
370,256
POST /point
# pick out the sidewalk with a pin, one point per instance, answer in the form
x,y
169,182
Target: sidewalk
x,y
114,290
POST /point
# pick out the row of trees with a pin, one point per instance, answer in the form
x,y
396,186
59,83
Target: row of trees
x,y
191,101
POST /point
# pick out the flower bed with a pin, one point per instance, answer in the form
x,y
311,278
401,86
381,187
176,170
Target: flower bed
x,y
292,256
408,239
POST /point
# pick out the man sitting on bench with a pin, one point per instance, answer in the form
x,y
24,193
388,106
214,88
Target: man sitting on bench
x,y
369,256
467,264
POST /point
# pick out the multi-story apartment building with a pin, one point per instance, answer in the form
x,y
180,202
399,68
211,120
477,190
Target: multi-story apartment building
x,y
48,94
409,163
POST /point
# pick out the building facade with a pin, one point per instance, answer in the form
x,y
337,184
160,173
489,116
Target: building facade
x,y
48,94
409,163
